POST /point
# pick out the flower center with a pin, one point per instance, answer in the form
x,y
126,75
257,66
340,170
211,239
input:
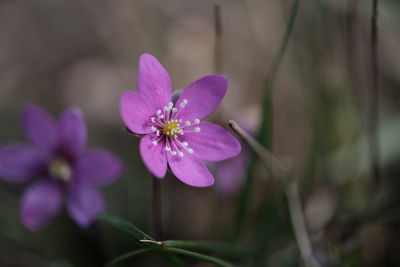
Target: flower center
x,y
172,129
60,169
168,129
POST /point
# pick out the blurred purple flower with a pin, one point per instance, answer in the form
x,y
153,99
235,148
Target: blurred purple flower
x,y
58,166
230,173
174,135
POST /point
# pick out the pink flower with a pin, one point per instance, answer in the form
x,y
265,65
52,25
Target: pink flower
x,y
173,133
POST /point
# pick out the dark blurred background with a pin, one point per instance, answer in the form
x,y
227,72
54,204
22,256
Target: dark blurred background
x,y
61,53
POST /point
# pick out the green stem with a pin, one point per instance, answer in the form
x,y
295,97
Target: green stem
x,y
374,100
128,255
199,256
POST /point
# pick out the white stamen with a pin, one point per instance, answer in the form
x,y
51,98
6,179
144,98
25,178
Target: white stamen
x,y
174,110
173,153
196,121
185,143
158,133
161,116
153,120
158,112
167,148
181,154
197,129
154,143
190,150
183,104
187,123
154,129
170,104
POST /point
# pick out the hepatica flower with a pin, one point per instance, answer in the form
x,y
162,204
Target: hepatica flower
x,y
173,134
58,167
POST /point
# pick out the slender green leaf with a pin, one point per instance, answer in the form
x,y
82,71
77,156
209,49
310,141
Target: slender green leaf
x,y
128,231
222,249
199,256
265,132
137,236
128,255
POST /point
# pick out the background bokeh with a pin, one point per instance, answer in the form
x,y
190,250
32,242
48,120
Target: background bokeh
x,y
61,53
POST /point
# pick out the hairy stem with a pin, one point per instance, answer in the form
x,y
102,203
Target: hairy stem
x,y
157,217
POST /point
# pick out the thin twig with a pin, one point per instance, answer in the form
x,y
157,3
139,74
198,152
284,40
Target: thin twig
x,y
267,158
218,39
295,208
374,101
299,225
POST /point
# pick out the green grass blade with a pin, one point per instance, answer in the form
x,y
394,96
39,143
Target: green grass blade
x,y
128,231
265,131
128,255
222,249
135,235
188,253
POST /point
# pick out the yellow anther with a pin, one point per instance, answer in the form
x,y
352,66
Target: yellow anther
x,y
172,129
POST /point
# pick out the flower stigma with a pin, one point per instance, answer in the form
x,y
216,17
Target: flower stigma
x,y
60,170
172,129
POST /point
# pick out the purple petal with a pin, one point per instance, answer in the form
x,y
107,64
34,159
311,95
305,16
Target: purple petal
x,y
19,163
154,82
40,202
73,133
135,112
213,143
153,156
190,170
203,96
84,204
40,128
97,167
